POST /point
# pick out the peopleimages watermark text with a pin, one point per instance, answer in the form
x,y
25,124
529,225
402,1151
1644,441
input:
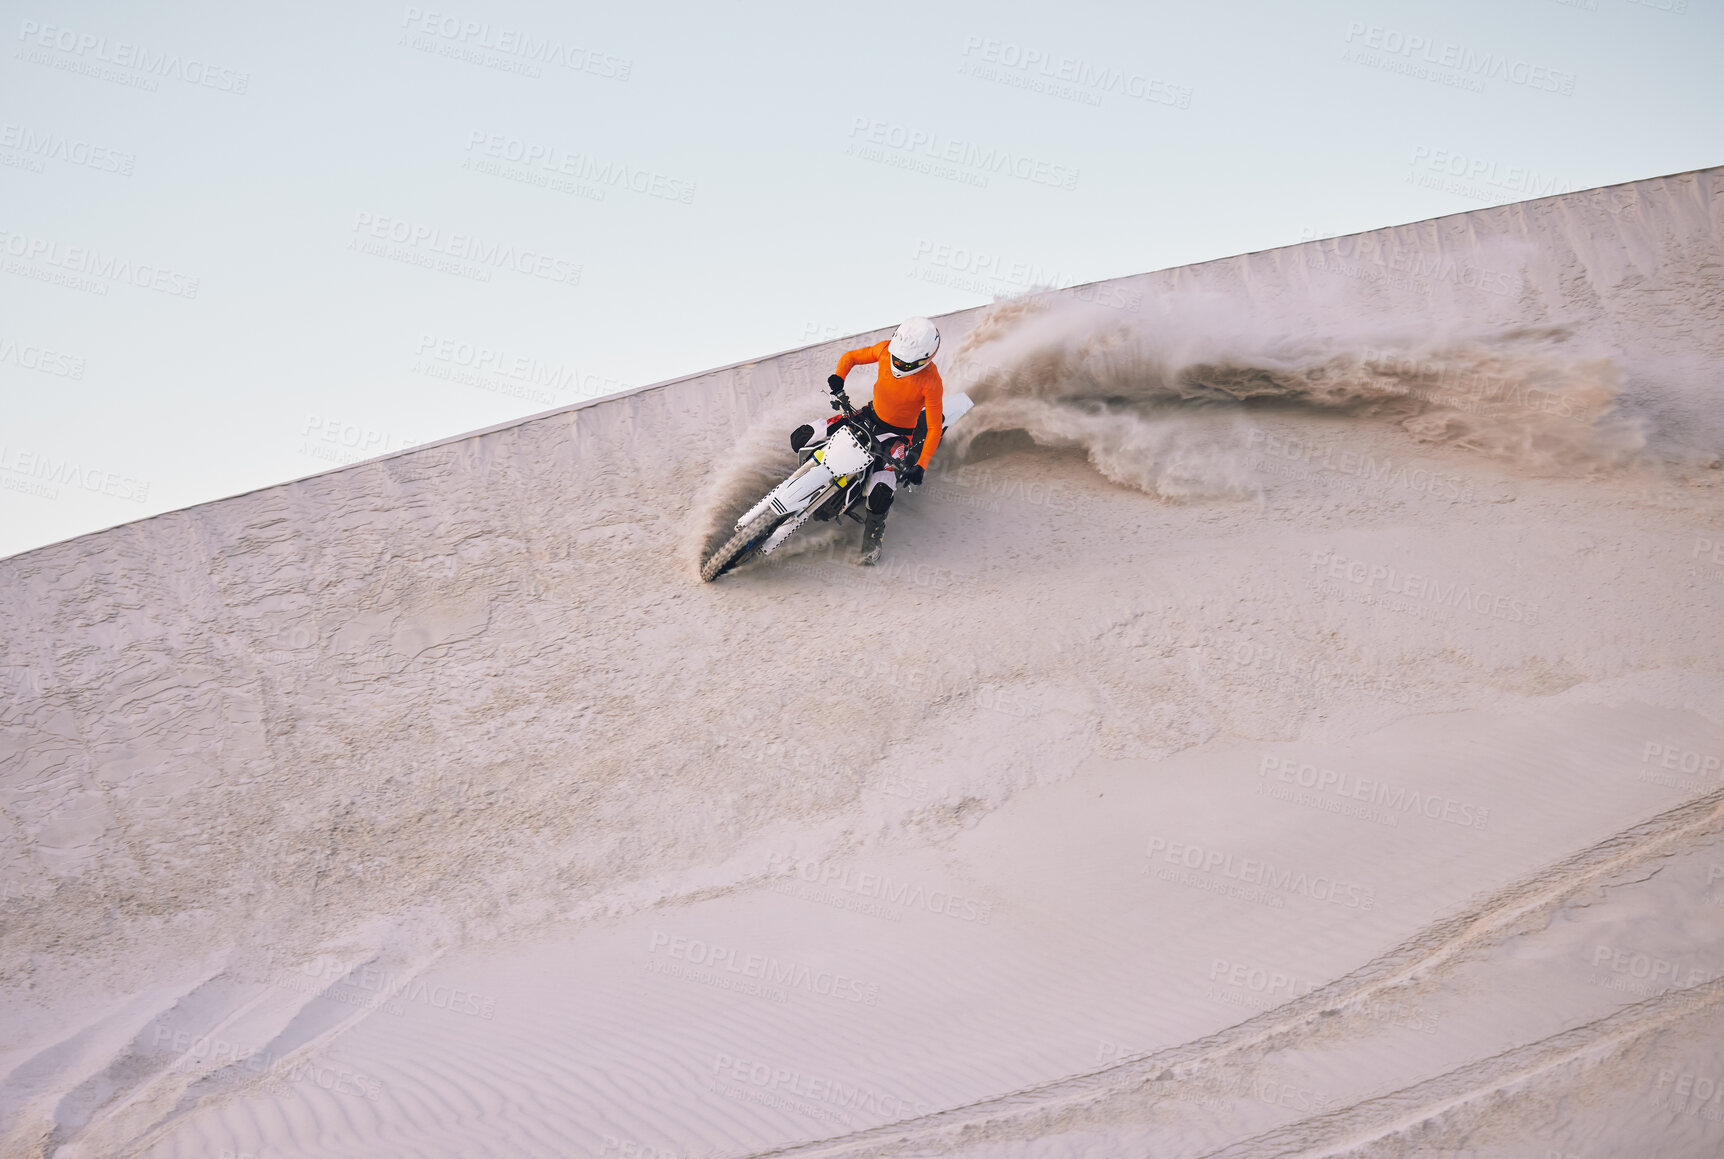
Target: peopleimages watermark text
x,y
90,50
529,51
926,147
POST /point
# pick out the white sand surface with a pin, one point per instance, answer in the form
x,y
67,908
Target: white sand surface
x,y
1289,722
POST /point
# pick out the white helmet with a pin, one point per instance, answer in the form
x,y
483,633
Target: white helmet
x,y
912,346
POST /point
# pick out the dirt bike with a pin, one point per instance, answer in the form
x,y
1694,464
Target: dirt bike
x,y
828,484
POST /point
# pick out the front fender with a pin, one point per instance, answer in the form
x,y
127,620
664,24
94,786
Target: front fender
x,y
793,494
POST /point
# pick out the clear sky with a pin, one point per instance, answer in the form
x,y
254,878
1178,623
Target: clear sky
x,y
246,243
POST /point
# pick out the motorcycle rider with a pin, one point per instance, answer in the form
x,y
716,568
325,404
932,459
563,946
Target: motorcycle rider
x,y
913,387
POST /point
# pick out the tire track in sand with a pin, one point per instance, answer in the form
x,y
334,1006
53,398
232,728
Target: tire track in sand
x,y
1062,1103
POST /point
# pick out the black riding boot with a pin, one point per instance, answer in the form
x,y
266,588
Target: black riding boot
x,y
873,531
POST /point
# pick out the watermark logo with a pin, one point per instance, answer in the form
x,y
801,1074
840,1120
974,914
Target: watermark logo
x,y
1275,660
1249,878
208,1053
822,332
936,684
561,171
1675,767
1688,1093
939,155
1259,987
1213,1094
374,987
501,371
41,359
1360,470
989,488
86,269
1397,590
631,1149
120,61
761,975
41,473
833,564
997,276
505,48
339,441
1063,77
22,147
1446,62
875,894
1457,386
1363,257
793,1089
1479,178
1369,798
446,251
19,681
1644,975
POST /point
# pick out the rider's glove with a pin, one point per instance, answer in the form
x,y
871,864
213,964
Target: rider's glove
x,y
913,474
834,383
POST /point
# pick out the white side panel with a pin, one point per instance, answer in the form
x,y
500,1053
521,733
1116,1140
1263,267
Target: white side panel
x,y
954,407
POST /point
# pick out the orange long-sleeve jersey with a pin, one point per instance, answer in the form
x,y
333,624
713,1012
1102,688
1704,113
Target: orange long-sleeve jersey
x,y
899,400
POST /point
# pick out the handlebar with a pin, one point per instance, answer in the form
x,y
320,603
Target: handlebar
x,y
841,402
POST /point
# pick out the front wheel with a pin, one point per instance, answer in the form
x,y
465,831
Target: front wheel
x,y
739,546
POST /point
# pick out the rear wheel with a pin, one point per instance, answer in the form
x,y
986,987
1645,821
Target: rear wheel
x,y
739,546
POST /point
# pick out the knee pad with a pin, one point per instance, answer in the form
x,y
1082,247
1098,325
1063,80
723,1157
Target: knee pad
x,y
800,436
880,498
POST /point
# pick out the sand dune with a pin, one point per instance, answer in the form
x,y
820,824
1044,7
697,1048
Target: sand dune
x,y
1287,723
